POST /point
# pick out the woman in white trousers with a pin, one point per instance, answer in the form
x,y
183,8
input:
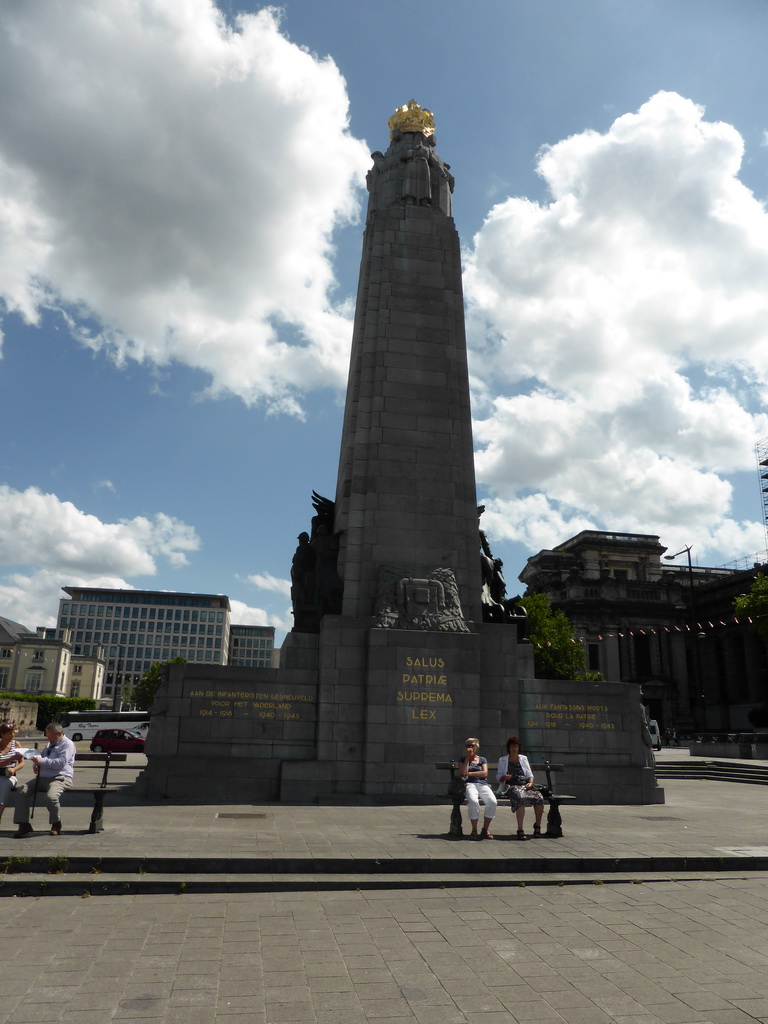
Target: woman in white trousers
x,y
474,770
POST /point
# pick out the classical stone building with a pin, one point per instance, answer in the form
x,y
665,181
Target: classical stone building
x,y
43,661
668,627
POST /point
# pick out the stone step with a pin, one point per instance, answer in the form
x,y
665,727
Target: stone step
x,y
719,771
37,876
87,885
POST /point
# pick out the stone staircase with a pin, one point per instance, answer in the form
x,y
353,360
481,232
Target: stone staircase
x,y
713,771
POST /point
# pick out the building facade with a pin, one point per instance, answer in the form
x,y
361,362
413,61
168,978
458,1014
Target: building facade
x,y
43,661
252,646
138,627
669,627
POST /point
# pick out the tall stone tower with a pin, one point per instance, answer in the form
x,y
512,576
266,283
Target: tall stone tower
x,y
390,664
406,665
406,485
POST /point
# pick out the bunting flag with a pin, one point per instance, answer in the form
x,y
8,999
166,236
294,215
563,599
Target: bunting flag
x,y
655,631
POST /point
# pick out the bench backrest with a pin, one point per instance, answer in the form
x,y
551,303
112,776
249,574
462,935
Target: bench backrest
x,y
105,758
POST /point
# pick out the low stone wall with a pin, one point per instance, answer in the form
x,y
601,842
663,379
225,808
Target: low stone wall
x,y
740,751
223,733
596,731
22,712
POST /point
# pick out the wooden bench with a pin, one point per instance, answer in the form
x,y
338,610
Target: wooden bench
x,y
100,791
554,819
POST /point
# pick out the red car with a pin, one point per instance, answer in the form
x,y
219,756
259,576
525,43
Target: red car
x,y
117,741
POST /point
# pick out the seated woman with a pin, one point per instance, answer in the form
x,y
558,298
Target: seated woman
x,y
515,769
10,762
474,770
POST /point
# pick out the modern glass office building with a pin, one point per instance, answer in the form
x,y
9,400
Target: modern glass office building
x,y
139,627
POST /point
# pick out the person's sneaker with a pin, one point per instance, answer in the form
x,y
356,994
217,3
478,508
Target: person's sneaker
x,y
23,830
56,828
473,835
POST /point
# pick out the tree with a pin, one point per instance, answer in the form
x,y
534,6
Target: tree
x,y
754,605
556,653
144,691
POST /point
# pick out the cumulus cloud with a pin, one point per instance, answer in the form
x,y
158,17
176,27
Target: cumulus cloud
x,y
632,310
40,529
171,184
32,598
266,581
245,615
48,543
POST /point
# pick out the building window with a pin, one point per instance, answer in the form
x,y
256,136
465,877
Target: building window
x,y
3,678
74,690
38,656
77,670
643,656
33,683
5,652
593,657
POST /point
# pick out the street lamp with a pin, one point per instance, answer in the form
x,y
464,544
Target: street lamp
x,y
695,634
116,689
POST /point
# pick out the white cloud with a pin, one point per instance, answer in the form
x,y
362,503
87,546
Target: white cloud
x,y
266,581
32,598
173,183
633,309
245,615
39,529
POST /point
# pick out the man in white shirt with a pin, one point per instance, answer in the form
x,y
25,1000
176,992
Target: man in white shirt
x,y
54,770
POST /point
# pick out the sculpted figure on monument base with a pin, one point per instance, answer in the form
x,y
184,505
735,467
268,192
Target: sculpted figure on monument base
x,y
316,588
411,597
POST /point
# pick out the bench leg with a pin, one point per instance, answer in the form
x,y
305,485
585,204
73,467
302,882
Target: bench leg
x,y
554,821
456,830
97,814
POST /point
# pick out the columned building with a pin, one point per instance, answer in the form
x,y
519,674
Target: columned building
x,y
666,626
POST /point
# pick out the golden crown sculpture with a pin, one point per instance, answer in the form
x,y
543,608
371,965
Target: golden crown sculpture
x,y
411,118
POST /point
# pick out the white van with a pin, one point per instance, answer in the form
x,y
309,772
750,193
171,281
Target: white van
x,y
653,728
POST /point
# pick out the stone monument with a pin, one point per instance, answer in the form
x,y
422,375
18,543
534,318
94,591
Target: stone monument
x,y
403,641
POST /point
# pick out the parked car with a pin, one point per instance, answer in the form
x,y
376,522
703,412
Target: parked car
x,y
118,741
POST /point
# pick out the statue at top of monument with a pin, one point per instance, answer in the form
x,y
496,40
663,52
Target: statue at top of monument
x,y
410,173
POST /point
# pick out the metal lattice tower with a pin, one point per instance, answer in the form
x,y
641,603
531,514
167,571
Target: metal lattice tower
x,y
761,453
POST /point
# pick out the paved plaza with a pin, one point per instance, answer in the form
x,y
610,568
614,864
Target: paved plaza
x,y
663,952
370,914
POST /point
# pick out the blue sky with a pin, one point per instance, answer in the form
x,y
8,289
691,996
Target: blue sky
x,y
180,196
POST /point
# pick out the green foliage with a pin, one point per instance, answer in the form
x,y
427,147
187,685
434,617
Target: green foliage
x,y
48,706
144,691
754,605
556,655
